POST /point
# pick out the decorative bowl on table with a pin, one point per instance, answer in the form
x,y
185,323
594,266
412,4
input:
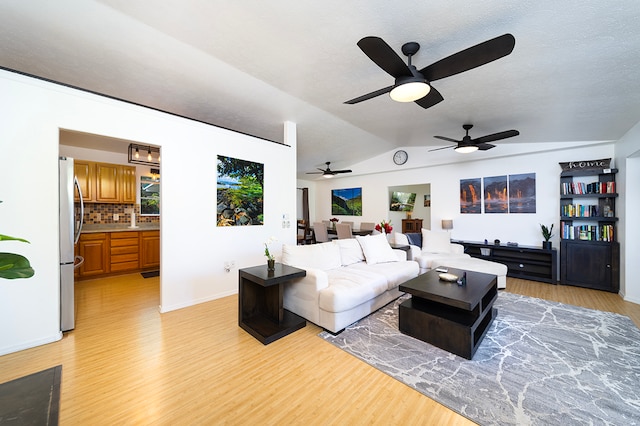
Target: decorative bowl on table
x,y
448,277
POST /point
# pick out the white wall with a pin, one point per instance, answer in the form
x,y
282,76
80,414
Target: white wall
x,y
445,180
521,228
627,157
193,249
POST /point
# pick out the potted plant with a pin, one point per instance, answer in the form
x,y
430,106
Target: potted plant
x,y
13,265
547,233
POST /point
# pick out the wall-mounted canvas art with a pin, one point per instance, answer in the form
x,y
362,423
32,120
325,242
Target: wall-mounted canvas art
x,y
427,200
347,202
522,193
240,192
470,196
495,194
402,201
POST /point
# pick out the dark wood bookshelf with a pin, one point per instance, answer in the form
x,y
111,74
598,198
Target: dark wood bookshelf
x,y
589,251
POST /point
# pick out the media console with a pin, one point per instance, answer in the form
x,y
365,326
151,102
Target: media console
x,y
526,262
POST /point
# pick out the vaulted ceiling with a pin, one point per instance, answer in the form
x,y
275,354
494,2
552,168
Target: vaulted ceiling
x,y
252,65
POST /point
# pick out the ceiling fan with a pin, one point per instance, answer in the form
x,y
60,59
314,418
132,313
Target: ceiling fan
x,y
413,85
467,144
328,173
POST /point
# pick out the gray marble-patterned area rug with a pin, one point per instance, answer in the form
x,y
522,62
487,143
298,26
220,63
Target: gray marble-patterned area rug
x,y
541,363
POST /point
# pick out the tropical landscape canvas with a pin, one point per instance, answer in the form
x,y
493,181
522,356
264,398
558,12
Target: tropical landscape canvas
x,y
347,202
402,201
240,188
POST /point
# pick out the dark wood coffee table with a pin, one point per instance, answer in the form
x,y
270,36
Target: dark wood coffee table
x,y
452,317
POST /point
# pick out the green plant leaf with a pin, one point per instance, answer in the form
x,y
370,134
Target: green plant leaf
x,y
14,266
8,238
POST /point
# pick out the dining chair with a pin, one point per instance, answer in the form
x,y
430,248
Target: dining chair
x,y
348,222
320,231
343,230
367,226
305,233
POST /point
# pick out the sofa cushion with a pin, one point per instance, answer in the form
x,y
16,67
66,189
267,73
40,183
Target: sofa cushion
x,y
426,260
395,273
349,288
350,251
376,249
436,241
321,256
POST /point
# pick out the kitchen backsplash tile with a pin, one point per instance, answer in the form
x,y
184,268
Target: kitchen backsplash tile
x,y
95,213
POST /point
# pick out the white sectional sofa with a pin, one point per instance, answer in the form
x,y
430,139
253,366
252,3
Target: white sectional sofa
x,y
346,279
437,250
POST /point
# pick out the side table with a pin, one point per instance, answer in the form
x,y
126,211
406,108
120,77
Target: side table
x,y
403,247
260,308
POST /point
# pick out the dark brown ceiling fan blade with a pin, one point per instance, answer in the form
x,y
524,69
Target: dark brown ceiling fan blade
x,y
328,170
485,146
369,95
384,56
444,147
470,58
496,136
444,138
433,97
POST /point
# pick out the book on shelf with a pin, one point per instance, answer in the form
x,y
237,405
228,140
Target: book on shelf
x,y
581,188
580,210
586,232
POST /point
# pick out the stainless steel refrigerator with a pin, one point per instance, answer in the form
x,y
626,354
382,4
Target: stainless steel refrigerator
x,y
71,220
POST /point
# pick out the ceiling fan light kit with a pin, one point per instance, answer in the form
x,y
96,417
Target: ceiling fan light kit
x,y
409,89
328,173
413,85
465,149
467,145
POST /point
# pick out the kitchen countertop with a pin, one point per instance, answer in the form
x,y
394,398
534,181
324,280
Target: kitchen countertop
x,y
118,227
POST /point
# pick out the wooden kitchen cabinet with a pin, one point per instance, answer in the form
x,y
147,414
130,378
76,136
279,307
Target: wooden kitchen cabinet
x,y
106,183
127,184
149,249
85,173
94,248
124,251
107,190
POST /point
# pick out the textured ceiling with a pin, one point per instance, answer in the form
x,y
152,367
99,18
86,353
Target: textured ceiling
x,y
252,65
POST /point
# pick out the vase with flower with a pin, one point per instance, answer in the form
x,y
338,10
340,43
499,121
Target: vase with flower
x,y
384,227
333,221
271,260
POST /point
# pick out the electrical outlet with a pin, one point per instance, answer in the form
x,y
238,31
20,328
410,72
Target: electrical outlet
x,y
229,265
116,217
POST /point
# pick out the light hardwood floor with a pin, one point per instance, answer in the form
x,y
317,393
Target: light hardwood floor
x,y
127,364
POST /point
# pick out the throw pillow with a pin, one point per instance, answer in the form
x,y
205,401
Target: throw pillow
x,y
350,251
323,256
415,238
376,249
436,241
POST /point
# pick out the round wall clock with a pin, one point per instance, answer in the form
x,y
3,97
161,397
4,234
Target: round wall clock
x,y
400,157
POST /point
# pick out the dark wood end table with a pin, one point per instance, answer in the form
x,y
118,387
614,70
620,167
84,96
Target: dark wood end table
x,y
452,317
404,247
260,307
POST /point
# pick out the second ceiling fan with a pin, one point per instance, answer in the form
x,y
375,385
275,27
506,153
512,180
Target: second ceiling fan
x,y
413,85
467,144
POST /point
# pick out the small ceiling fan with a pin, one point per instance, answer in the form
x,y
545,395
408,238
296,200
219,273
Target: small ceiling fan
x,y
328,173
413,85
467,144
